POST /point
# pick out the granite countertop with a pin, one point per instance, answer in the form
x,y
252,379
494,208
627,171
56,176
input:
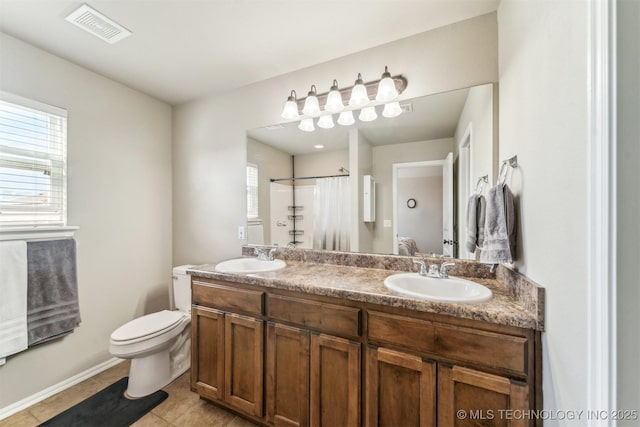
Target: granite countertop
x,y
366,285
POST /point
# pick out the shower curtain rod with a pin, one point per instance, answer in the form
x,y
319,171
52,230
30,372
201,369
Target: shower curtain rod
x,y
307,177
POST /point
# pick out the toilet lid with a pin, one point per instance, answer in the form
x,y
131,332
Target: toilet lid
x,y
151,324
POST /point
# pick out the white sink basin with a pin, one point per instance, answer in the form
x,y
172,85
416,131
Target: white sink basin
x,y
452,289
249,265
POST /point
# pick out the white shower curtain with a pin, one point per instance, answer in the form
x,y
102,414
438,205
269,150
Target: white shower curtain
x,y
332,204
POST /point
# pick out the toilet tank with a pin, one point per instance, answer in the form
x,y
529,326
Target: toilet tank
x,y
182,288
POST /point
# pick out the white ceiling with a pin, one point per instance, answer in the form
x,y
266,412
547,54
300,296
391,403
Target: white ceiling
x,y
183,49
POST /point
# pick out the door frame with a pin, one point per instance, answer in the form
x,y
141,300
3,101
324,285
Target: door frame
x,y
602,204
465,189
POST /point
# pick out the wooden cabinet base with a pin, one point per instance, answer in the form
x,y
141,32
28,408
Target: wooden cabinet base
x,y
289,359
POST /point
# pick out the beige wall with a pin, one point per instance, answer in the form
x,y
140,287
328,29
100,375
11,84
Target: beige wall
x,y
478,112
477,118
361,158
210,134
384,157
321,163
543,119
119,194
272,163
628,159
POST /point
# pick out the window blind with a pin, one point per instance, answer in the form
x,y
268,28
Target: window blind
x,y
252,191
33,155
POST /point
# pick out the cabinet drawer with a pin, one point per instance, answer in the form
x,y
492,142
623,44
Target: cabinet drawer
x,y
403,331
227,298
500,351
315,315
486,348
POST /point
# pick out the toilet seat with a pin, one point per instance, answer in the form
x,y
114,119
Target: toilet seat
x,y
147,327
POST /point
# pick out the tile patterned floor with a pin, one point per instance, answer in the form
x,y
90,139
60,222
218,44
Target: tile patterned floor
x,y
182,408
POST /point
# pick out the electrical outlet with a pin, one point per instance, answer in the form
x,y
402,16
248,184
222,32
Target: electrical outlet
x,y
242,235
387,223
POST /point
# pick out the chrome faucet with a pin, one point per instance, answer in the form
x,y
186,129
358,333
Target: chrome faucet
x,y
434,270
443,269
423,267
263,255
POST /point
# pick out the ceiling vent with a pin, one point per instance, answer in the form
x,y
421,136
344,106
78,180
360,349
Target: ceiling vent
x,y
406,108
94,22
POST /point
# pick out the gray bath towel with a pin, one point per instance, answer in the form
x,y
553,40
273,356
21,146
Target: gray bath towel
x,y
500,227
481,219
52,290
475,222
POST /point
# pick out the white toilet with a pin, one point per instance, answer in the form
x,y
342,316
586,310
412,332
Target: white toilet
x,y
158,344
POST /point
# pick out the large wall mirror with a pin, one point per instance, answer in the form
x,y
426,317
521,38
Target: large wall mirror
x,y
392,186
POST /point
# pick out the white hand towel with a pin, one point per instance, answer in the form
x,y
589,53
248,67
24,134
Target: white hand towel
x,y
13,300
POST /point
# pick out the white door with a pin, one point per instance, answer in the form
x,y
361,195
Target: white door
x,y
448,247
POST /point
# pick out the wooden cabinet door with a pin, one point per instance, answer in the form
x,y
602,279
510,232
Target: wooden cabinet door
x,y
335,382
207,352
400,390
287,391
467,397
243,363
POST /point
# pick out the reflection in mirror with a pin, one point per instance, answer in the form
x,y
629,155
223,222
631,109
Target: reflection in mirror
x,y
352,183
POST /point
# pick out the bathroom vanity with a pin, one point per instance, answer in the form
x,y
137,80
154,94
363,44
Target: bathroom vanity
x,y
322,342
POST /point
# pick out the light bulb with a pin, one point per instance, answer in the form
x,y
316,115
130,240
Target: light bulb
x,y
325,122
346,118
334,99
290,110
306,125
368,114
392,109
311,105
359,97
386,88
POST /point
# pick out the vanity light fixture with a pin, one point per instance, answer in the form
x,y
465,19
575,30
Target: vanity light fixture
x,y
386,88
392,109
325,122
306,125
346,118
368,114
311,104
361,95
334,99
290,110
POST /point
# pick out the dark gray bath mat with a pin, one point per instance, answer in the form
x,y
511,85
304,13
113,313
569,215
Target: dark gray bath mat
x,y
108,408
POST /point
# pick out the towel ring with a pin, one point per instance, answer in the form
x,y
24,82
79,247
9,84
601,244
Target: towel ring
x,y
504,169
481,183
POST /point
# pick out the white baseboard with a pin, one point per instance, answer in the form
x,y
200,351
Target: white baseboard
x,y
56,388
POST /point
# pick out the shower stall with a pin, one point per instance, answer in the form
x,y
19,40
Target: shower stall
x,y
311,212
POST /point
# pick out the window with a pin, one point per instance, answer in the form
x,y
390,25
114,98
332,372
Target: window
x,y
33,156
252,191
